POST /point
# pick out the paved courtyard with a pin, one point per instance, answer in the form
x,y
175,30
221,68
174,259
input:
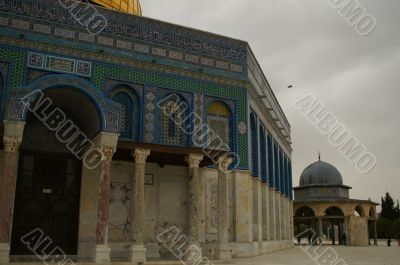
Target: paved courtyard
x,y
351,256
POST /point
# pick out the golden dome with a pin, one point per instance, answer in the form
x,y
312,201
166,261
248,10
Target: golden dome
x,y
128,6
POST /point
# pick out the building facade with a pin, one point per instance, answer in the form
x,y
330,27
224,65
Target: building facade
x,y
322,204
119,128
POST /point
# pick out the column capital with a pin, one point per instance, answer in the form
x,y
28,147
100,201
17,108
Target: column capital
x,y
11,143
224,163
108,152
194,160
140,155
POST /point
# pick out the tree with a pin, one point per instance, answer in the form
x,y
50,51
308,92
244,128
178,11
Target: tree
x,y
388,208
397,210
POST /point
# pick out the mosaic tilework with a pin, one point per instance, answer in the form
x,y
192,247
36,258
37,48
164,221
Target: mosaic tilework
x,y
159,81
127,94
59,64
135,27
149,117
108,108
123,29
17,59
34,74
242,128
102,72
198,119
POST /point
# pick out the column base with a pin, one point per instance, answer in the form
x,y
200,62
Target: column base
x,y
194,254
223,253
4,253
101,254
137,254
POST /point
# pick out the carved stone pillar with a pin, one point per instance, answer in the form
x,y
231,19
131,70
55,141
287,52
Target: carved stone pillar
x,y
193,205
138,250
320,233
223,250
102,251
12,139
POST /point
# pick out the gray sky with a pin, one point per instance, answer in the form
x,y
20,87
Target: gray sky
x,y
309,45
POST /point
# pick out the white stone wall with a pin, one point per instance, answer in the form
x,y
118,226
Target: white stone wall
x,y
255,211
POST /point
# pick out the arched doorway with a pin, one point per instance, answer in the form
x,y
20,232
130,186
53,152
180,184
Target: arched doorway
x,y
304,224
47,196
335,224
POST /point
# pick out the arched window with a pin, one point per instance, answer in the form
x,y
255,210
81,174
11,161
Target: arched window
x,y
174,121
270,161
254,144
130,113
263,153
276,167
219,119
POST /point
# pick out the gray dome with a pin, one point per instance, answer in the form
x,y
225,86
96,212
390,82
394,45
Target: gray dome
x,y
321,173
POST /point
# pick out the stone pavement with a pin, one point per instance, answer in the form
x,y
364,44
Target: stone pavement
x,y
351,256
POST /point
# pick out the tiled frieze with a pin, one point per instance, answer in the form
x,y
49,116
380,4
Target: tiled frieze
x,y
125,32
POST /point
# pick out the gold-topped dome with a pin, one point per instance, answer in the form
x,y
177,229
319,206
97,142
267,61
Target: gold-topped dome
x,y
128,6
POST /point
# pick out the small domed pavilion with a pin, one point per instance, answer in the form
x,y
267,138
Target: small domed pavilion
x,y
323,204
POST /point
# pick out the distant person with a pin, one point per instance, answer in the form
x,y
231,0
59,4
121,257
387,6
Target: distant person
x,y
389,241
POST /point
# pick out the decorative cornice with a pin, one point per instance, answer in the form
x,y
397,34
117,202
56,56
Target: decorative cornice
x,y
194,160
11,144
140,155
123,61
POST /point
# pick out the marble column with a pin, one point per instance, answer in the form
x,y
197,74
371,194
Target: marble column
x,y
12,139
223,250
194,205
137,250
102,250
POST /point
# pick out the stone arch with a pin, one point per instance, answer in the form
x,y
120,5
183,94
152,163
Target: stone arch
x,y
334,211
372,212
107,110
359,211
305,211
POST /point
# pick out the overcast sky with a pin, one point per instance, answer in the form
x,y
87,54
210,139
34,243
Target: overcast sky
x,y
307,44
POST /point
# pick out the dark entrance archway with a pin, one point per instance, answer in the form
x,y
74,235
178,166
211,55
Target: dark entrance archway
x,y
47,197
47,193
336,229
